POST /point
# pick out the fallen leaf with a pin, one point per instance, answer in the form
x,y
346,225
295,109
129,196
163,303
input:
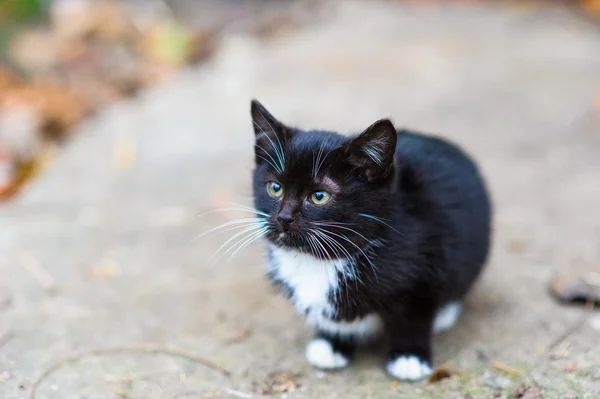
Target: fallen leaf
x,y
6,169
59,109
171,43
104,19
20,127
279,382
439,374
35,51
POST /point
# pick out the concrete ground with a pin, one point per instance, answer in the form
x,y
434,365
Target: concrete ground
x,y
102,249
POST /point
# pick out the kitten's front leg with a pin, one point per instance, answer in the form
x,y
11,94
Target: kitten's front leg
x,y
329,352
410,332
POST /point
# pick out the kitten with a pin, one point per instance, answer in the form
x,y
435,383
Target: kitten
x,y
376,235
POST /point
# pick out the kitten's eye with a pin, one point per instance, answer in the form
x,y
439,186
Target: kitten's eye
x,y
320,197
274,189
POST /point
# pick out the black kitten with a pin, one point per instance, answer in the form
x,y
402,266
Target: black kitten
x,y
377,234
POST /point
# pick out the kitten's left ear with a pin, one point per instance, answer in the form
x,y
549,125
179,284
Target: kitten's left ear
x,y
373,150
270,136
265,123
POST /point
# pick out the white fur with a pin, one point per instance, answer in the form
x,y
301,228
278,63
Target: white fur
x,y
320,353
312,281
361,328
446,317
408,368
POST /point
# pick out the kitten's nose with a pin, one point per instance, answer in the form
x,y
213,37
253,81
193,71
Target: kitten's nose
x,y
285,220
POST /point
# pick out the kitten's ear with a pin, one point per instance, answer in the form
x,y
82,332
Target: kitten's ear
x,y
270,136
373,150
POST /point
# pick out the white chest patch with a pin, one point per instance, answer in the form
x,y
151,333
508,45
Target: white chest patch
x,y
313,283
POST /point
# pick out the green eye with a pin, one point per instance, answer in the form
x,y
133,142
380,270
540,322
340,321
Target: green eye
x,y
274,189
320,197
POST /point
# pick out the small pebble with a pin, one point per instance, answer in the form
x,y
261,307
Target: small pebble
x,y
495,381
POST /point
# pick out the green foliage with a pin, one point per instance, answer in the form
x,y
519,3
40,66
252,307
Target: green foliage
x,y
21,10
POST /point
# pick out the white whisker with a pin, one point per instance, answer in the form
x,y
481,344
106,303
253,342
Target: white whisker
x,y
245,231
377,219
356,246
236,223
248,240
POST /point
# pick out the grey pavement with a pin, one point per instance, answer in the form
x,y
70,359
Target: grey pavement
x,y
102,250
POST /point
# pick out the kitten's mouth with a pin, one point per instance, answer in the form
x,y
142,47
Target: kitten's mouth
x,y
292,240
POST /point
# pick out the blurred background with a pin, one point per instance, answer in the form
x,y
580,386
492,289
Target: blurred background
x,y
125,135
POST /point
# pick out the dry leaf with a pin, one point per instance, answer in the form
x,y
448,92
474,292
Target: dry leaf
x,y
439,374
203,45
278,383
171,43
59,109
111,21
94,93
6,169
90,18
35,51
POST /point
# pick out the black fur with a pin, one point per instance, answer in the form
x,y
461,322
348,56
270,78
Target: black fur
x,y
427,236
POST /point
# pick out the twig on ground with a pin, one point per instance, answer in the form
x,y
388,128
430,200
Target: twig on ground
x,y
238,394
146,348
242,336
119,380
124,395
37,271
503,367
572,329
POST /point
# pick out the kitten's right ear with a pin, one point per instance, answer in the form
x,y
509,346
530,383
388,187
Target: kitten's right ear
x,y
373,150
270,137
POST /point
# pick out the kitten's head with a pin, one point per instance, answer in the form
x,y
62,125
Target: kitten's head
x,y
321,192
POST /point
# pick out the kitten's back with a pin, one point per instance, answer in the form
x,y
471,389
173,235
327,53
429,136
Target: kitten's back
x,y
437,173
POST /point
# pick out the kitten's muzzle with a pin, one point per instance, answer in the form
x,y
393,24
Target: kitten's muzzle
x,y
286,222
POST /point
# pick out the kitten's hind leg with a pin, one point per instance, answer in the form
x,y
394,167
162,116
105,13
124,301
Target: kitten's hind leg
x,y
410,332
329,352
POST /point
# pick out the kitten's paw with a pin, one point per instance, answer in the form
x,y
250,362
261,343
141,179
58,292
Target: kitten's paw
x,y
408,368
320,354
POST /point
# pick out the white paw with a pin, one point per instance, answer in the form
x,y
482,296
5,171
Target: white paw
x,y
319,353
408,368
446,317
